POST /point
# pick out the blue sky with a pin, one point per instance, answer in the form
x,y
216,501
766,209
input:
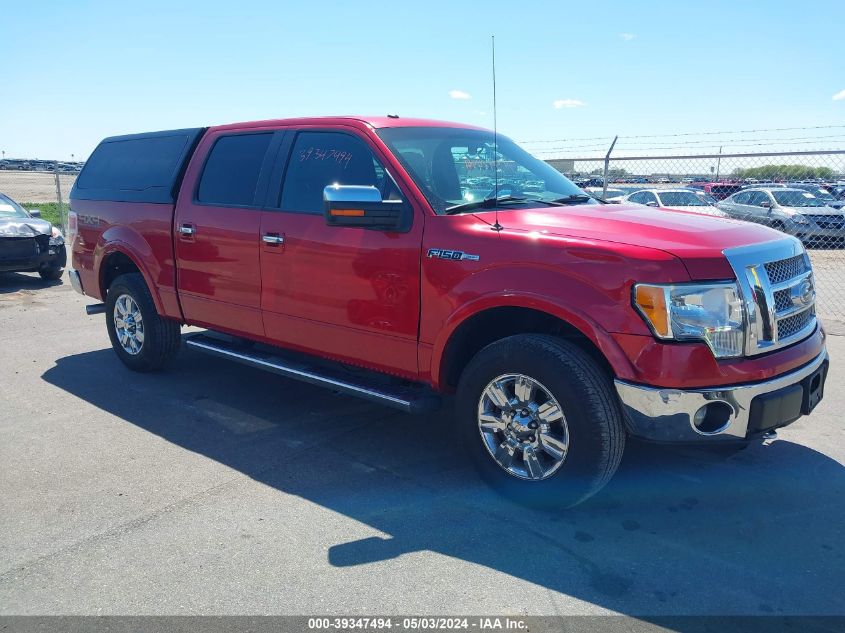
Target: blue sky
x,y
74,72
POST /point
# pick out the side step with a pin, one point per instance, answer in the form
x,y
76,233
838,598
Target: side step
x,y
369,385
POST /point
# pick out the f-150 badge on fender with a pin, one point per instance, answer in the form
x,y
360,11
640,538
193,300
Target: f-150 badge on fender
x,y
441,253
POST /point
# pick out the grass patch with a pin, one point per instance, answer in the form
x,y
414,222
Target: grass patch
x,y
50,211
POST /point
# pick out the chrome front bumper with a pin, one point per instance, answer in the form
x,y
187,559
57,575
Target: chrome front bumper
x,y
668,415
75,281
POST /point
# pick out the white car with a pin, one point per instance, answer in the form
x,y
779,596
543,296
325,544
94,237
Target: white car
x,y
680,199
614,196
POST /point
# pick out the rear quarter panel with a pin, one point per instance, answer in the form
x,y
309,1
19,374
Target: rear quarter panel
x,y
141,231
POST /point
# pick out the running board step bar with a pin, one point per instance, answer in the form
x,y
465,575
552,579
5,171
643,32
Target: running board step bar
x,y
408,398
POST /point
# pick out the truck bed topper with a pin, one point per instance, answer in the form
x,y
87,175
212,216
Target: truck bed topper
x,y
137,167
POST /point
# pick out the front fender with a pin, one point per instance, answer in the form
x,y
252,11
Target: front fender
x,y
576,318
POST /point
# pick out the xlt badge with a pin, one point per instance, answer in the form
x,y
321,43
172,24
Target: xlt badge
x,y
441,253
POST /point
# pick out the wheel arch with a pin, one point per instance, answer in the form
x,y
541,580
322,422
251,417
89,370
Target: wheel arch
x,y
120,260
495,319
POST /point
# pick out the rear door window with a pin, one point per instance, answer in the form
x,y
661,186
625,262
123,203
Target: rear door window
x,y
230,175
320,159
758,198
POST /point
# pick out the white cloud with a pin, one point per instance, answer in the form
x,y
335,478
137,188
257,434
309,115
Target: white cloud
x,y
568,103
627,36
839,96
459,94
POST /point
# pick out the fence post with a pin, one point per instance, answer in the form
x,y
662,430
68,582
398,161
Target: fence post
x,y
59,195
718,163
606,164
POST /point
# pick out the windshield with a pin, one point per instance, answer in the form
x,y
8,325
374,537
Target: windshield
x,y
822,194
11,209
453,166
681,199
791,198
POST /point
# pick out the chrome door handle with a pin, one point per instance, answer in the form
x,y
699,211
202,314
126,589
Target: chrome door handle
x,y
273,239
187,229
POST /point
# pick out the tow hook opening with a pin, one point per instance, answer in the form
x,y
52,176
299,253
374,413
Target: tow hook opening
x,y
769,437
712,418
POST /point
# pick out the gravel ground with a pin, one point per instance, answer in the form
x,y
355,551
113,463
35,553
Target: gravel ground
x,y
35,186
218,489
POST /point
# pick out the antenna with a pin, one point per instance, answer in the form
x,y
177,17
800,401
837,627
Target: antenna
x,y
496,225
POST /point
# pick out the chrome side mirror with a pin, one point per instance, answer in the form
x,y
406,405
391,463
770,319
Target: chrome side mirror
x,y
361,206
36,213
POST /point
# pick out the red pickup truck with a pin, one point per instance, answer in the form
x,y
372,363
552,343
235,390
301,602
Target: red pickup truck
x,y
407,261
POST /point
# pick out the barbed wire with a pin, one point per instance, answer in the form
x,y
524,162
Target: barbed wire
x,y
684,134
621,148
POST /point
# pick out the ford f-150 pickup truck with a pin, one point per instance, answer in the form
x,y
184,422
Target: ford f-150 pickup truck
x,y
414,262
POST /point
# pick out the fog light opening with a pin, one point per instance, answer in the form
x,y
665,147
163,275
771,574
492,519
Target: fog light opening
x,y
712,418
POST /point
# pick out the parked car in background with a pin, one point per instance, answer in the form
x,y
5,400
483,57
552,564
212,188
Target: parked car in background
x,y
721,190
838,191
612,195
822,193
679,199
766,185
790,210
28,243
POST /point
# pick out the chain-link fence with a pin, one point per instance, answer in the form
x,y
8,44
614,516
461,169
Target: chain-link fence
x,y
799,193
45,189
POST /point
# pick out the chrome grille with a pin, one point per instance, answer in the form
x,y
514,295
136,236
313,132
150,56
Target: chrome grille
x,y
777,286
783,300
784,269
788,326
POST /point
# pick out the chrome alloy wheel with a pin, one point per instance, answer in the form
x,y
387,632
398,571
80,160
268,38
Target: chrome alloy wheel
x,y
128,324
523,427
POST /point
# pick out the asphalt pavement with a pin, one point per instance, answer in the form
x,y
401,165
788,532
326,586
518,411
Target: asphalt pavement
x,y
218,489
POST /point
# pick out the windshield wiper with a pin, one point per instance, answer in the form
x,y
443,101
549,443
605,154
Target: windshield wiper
x,y
480,204
489,201
575,198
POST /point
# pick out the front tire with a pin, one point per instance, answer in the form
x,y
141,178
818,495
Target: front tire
x,y
142,339
51,273
540,420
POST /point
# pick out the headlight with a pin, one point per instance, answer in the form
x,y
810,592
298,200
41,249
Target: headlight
x,y
56,238
712,313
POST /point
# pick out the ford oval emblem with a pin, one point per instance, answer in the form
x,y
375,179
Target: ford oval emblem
x,y
803,294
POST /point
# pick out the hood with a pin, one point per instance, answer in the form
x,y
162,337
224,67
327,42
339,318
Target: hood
x,y
826,210
24,227
698,240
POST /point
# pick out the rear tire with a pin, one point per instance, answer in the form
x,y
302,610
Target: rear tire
x,y
142,339
533,436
